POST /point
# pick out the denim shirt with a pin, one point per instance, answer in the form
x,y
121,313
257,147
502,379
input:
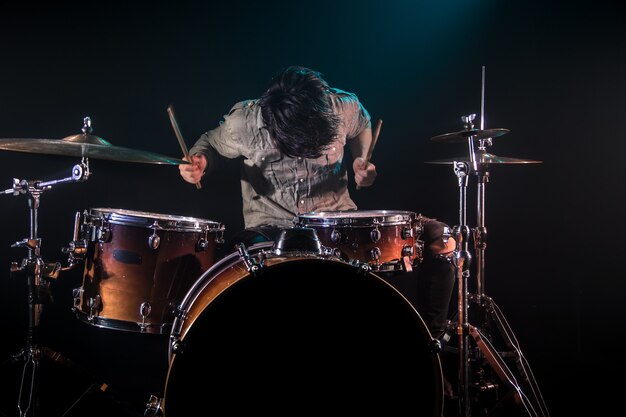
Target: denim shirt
x,y
275,187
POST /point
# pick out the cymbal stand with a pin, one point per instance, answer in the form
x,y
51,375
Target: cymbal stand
x,y
485,350
35,269
533,403
461,263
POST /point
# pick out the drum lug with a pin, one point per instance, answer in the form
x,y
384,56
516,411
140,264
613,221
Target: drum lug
x,y
419,228
219,236
335,236
408,250
179,313
407,232
100,233
202,245
154,240
144,310
93,303
375,235
328,251
435,346
447,232
375,253
178,346
103,235
253,266
419,249
363,267
77,294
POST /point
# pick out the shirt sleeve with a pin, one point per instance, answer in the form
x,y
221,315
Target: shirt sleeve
x,y
221,139
355,115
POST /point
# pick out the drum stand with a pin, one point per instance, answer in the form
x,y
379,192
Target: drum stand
x,y
532,403
34,269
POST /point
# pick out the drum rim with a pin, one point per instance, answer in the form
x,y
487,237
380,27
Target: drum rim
x,y
152,220
205,278
356,218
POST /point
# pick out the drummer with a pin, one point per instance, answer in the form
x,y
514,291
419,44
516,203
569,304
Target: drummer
x,y
292,142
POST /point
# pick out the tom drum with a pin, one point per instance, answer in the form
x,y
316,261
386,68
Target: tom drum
x,y
388,240
139,265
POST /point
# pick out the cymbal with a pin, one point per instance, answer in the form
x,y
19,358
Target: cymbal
x,y
485,159
88,146
461,136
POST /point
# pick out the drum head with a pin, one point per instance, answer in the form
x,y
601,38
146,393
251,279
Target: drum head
x,y
157,221
355,218
305,335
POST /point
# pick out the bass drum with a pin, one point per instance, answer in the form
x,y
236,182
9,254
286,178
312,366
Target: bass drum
x,y
296,333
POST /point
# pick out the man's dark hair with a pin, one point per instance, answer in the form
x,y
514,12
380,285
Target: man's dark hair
x,y
298,112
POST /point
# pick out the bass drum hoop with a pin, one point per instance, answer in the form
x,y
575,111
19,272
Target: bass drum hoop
x,y
317,346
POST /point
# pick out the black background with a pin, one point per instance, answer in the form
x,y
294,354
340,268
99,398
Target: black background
x,y
555,77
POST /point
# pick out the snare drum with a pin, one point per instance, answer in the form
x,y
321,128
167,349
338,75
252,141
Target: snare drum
x,y
387,240
139,265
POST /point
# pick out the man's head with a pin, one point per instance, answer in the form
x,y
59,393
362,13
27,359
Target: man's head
x,y
298,112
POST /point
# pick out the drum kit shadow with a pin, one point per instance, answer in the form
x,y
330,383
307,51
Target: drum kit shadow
x,y
238,320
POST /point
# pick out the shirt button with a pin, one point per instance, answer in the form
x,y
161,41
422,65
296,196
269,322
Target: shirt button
x,y
301,201
334,148
301,179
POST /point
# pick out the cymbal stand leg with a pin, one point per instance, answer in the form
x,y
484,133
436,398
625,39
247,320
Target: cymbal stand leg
x,y
532,401
461,262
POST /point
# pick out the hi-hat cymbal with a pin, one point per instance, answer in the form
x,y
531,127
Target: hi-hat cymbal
x,y
458,137
485,159
88,146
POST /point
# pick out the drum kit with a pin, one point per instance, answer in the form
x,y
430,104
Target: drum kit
x,y
311,304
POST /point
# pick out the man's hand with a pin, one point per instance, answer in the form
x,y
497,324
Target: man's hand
x,y
193,172
364,173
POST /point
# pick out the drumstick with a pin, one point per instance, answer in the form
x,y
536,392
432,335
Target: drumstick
x,y
179,136
372,144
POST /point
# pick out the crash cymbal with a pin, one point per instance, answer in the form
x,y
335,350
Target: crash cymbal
x,y
485,159
88,146
458,137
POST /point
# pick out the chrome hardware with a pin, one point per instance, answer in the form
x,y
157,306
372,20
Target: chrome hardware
x,y
153,241
375,235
